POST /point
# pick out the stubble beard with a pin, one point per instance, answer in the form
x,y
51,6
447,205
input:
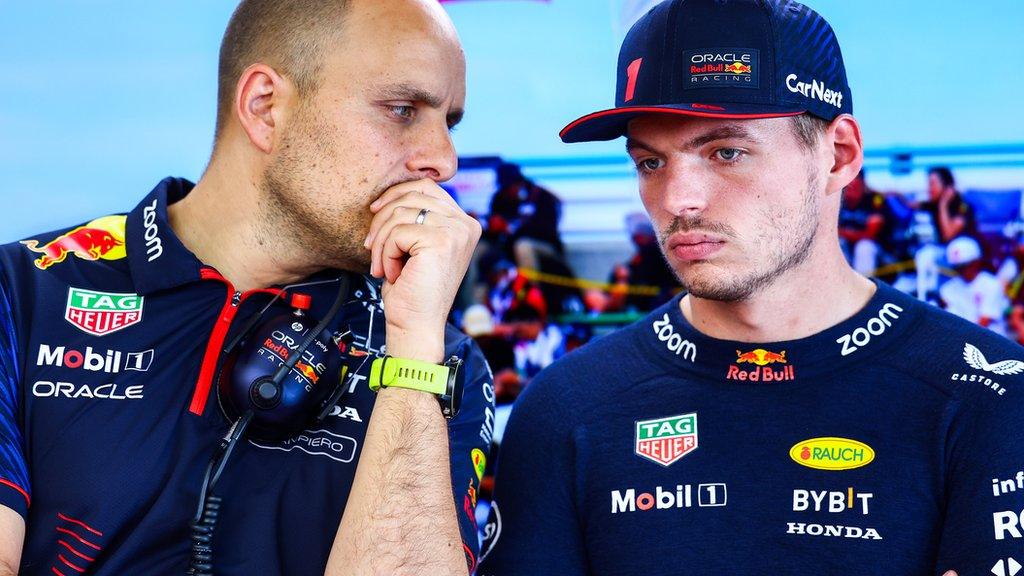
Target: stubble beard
x,y
298,210
786,251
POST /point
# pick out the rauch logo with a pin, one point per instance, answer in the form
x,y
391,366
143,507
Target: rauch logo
x,y
832,453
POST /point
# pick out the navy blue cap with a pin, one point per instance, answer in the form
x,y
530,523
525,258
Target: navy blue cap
x,y
723,59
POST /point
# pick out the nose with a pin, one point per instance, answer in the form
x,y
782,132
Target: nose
x,y
684,192
434,155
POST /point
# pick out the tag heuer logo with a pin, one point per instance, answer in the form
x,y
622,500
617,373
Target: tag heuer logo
x,y
665,440
100,313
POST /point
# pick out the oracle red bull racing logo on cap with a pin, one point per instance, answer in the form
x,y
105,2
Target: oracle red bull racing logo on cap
x,y
831,453
722,67
101,313
666,440
762,360
102,238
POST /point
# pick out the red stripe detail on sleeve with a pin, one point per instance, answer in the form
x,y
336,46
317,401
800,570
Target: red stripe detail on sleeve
x,y
72,566
18,488
76,552
79,538
80,523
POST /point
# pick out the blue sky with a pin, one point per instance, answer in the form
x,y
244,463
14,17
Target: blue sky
x,y
102,98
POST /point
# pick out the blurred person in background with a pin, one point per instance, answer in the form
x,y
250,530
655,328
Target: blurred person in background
x,y
1015,323
508,288
974,294
646,267
522,228
866,226
1011,270
536,341
1011,276
950,213
942,217
523,219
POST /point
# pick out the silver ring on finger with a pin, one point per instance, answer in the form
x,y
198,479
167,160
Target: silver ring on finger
x,y
422,216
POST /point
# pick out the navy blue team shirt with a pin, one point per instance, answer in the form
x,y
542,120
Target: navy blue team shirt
x,y
109,340
886,445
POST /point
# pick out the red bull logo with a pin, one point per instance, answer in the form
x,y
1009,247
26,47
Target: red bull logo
x,y
102,238
737,68
761,358
351,350
307,371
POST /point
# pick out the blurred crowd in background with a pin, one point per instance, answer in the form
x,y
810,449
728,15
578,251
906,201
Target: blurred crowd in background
x,y
523,304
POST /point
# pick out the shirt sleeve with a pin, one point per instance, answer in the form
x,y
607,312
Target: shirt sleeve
x,y
469,441
534,526
983,530
14,487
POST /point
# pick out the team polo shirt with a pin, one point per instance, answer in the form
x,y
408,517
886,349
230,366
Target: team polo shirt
x,y
110,337
888,444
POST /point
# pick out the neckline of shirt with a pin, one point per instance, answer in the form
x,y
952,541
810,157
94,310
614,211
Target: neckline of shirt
x,y
873,329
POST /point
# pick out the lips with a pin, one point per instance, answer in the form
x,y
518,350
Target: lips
x,y
693,246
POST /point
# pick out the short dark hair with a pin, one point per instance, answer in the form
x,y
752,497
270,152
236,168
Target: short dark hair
x,y
809,129
291,36
944,174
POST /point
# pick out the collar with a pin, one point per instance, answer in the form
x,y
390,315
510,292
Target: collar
x,y
156,257
876,328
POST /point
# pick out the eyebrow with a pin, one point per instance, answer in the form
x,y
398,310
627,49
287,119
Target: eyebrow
x,y
719,133
416,94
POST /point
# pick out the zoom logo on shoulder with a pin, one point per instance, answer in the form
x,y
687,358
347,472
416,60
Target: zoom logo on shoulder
x,y
675,343
875,327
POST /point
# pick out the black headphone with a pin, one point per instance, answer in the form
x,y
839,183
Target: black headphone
x,y
279,377
288,370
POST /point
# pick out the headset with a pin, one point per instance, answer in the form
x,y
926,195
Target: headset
x,y
279,376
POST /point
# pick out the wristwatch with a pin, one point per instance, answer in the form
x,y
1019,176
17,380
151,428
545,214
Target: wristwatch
x,y
444,380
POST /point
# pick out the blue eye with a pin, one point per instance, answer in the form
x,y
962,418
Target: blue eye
x,y
649,164
404,111
728,154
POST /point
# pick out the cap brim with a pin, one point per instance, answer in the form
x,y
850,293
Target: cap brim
x,y
610,124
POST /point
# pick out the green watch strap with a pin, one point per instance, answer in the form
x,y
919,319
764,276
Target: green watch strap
x,y
391,372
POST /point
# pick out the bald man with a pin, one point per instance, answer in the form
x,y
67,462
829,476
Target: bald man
x,y
121,340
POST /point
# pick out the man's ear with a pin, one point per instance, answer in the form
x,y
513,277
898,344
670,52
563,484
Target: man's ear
x,y
261,100
847,152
